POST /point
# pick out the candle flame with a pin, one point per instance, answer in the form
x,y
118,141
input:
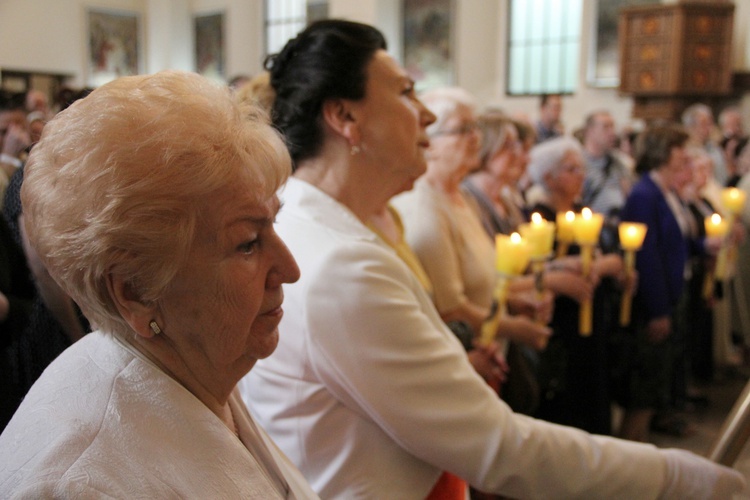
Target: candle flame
x,y
515,238
570,216
536,218
716,219
586,213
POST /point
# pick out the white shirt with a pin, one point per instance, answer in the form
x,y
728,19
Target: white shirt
x,y
371,396
105,422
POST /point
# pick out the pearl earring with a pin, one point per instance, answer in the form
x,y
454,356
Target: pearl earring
x,y
154,327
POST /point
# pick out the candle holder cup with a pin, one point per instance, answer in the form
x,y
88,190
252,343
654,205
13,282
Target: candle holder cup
x,y
631,235
586,228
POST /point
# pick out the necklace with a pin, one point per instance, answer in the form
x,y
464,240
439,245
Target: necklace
x,y
235,429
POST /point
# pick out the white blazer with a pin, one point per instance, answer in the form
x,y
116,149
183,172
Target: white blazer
x,y
104,422
371,396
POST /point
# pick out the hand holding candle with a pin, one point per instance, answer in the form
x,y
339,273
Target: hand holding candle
x,y
632,235
586,229
511,259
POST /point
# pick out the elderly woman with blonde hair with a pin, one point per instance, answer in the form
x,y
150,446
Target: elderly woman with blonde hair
x,y
151,201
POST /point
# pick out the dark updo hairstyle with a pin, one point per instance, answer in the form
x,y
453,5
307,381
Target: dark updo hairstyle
x,y
327,60
654,146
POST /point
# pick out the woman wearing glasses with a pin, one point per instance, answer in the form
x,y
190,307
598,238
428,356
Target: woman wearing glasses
x,y
443,226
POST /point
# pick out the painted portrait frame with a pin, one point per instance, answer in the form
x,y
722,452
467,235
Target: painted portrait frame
x,y
603,69
209,54
113,45
428,42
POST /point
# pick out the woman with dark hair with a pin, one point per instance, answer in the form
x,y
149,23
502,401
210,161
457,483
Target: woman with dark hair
x,y
369,393
643,383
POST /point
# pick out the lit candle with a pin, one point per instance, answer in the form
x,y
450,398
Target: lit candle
x,y
632,235
586,228
511,259
716,226
733,200
512,254
540,235
565,236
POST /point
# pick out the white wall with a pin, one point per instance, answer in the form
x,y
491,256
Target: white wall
x,y
244,33
49,35
168,40
480,29
575,107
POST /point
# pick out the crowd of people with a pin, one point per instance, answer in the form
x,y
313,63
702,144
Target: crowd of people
x,y
349,345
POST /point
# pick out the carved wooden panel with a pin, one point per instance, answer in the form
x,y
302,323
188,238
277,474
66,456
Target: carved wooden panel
x,y
676,49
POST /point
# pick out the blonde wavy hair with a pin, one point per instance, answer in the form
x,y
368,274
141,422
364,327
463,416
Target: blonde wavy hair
x,y
119,179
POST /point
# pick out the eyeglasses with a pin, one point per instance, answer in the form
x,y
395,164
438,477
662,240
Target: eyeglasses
x,y
515,145
572,168
465,129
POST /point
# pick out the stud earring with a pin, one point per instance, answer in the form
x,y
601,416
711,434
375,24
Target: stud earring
x,y
354,151
154,327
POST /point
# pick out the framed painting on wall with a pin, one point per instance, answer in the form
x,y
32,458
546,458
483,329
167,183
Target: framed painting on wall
x,y
428,42
209,45
604,58
114,45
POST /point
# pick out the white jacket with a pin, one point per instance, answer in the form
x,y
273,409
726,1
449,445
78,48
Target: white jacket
x,y
104,422
371,396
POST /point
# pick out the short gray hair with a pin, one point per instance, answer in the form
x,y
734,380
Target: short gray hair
x,y
691,113
118,182
444,102
545,157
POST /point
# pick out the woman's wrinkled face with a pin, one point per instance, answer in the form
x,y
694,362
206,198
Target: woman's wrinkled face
x,y
456,144
508,164
224,305
702,170
567,179
393,123
677,172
